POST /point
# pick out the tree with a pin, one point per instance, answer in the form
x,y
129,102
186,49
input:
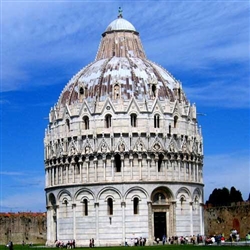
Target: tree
x,y
235,195
222,197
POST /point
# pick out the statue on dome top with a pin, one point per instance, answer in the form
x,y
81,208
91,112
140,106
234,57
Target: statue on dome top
x,y
120,12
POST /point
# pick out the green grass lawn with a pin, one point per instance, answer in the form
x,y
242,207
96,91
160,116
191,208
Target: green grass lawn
x,y
159,247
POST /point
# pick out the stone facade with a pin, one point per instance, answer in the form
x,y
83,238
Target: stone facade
x,y
123,151
31,227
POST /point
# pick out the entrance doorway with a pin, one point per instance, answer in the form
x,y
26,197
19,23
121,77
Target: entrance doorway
x,y
160,224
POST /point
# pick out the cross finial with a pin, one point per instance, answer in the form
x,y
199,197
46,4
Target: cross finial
x,y
120,12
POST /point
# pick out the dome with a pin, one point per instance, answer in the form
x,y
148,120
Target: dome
x,y
134,76
121,61
120,24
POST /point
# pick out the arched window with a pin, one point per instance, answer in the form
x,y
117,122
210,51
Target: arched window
x,y
133,119
108,121
175,121
81,91
86,122
81,94
110,206
136,205
156,121
85,207
118,163
68,124
154,90
160,162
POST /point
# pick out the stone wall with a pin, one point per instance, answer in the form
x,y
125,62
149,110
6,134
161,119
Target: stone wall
x,y
19,227
223,219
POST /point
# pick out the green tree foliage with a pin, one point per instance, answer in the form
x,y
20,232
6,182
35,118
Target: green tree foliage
x,y
224,197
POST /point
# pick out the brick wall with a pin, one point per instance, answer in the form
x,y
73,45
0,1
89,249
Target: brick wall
x,y
19,227
223,219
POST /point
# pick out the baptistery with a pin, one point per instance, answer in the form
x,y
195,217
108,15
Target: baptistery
x,y
123,150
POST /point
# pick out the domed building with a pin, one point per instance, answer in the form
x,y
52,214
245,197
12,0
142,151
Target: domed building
x,y
123,151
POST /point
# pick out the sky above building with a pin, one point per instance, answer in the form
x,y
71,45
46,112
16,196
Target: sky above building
x,y
203,44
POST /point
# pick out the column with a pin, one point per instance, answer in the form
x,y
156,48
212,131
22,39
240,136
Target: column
x,y
57,223
67,174
95,169
87,170
156,167
191,218
112,167
46,178
123,205
140,164
179,169
150,223
201,219
61,170
197,172
148,166
122,166
74,220
165,168
104,167
72,165
80,166
174,218
185,170
97,221
52,177
131,166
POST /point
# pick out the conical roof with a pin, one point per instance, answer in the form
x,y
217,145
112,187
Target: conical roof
x,y
120,60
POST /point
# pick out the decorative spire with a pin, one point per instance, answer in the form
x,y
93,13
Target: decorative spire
x,y
120,12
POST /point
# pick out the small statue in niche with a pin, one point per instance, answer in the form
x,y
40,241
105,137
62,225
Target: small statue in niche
x,y
171,147
104,148
116,91
121,147
87,150
73,150
140,146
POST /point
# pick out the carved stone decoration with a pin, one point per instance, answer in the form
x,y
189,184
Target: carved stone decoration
x,y
156,147
103,146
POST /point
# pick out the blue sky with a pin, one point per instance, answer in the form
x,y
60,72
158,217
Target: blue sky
x,y
204,44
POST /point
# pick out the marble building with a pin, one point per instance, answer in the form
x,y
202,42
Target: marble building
x,y
123,150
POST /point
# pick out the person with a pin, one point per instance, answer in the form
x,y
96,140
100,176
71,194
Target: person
x,y
163,239
11,246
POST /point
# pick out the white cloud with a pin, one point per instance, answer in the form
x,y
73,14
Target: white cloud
x,y
192,34
221,93
22,191
227,170
32,200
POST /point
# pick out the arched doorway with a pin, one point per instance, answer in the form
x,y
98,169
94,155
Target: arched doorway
x,y
163,215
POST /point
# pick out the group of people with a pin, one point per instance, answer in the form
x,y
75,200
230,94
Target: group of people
x,y
69,245
193,239
136,242
91,242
